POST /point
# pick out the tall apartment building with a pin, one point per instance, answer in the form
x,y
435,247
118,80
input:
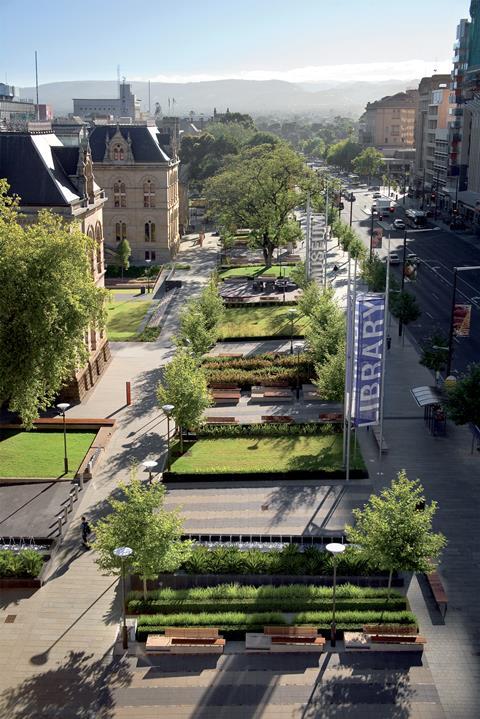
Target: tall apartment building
x,y
390,122
124,106
140,179
47,175
458,140
430,131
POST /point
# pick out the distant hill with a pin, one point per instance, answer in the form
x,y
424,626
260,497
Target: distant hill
x,y
255,97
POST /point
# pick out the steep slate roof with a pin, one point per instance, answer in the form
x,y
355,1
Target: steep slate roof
x,y
31,165
144,142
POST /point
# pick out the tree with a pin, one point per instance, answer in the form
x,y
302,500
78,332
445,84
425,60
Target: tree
x,y
211,306
435,352
393,533
368,163
200,319
138,520
258,190
331,375
298,274
124,252
404,306
48,300
326,331
374,272
184,385
262,138
463,399
342,153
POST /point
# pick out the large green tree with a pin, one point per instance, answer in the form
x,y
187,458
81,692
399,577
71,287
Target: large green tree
x,y
258,189
184,385
138,520
342,153
463,399
394,529
48,300
435,351
368,163
200,319
124,252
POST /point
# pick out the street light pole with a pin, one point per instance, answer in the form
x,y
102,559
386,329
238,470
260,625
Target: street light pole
x,y
371,233
148,275
400,323
292,314
63,406
335,549
123,553
351,208
168,409
298,347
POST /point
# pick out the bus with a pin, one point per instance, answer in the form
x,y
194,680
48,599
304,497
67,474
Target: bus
x,y
353,180
416,218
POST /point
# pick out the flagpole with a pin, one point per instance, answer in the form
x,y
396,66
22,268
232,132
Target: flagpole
x,y
384,355
348,348
349,418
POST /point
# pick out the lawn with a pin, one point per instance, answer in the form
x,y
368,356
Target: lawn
x,y
40,454
254,270
259,322
125,318
272,454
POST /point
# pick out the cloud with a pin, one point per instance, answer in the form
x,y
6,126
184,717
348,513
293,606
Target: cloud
x,y
367,72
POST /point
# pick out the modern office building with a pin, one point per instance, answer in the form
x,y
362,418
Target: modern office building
x,y
124,107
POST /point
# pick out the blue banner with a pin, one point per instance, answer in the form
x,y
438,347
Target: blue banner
x,y
368,359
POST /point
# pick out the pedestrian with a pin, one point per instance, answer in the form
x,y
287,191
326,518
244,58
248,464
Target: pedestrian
x,y
86,531
389,342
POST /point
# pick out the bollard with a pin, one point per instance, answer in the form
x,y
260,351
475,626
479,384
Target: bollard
x,y
59,520
70,502
65,514
80,481
128,390
75,492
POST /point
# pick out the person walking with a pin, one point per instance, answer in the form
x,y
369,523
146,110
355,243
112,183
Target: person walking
x,y
86,531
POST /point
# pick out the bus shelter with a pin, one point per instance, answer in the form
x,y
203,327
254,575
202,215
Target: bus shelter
x,y
430,398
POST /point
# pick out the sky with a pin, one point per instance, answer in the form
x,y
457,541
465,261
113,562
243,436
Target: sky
x,y
191,40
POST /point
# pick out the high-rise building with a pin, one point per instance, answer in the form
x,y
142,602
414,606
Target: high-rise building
x,y
390,122
430,131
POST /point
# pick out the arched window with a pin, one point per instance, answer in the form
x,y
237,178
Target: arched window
x,y
118,153
119,194
91,234
148,193
149,231
120,231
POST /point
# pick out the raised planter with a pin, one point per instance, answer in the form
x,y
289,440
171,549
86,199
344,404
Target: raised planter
x,y
296,475
260,338
187,581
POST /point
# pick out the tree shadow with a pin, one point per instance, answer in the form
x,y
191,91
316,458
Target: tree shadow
x,y
80,688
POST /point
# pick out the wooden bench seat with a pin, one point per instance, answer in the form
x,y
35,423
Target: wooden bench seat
x,y
331,416
438,591
221,420
363,641
376,434
293,639
226,396
276,418
234,355
195,640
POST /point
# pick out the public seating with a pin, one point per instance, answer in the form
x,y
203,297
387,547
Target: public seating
x,y
376,434
194,640
331,416
272,395
384,638
438,591
226,396
221,420
285,639
276,419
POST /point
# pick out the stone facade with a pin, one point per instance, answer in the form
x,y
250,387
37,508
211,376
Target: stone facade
x,y
141,184
390,122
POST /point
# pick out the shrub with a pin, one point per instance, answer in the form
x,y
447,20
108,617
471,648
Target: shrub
x,y
355,619
133,271
267,430
26,563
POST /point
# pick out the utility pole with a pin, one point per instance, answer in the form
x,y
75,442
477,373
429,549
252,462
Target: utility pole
x,y
400,323
351,207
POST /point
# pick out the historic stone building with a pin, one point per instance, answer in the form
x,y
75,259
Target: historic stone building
x,y
140,180
47,175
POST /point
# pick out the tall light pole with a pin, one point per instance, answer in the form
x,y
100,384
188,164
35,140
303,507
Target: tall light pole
x,y
123,553
291,315
400,323
63,406
335,549
168,409
148,275
371,233
456,270
298,348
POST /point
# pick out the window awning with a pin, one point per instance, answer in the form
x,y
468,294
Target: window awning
x,y
426,396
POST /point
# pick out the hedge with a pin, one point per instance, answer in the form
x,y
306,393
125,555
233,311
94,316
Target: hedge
x,y
256,362
245,379
25,563
268,430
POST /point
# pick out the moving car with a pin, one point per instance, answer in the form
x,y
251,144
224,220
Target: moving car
x,y
376,195
399,224
394,258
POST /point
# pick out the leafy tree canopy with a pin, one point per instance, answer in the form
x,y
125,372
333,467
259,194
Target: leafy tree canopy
x,y
342,153
369,162
463,400
48,299
435,351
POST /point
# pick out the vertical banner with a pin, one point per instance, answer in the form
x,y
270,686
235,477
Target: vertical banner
x,y
377,238
368,350
461,320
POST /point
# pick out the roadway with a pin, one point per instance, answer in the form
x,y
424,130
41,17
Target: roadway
x,y
439,251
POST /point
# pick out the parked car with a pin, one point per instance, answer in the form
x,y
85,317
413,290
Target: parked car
x,y
374,188
399,224
377,195
394,258
457,225
413,258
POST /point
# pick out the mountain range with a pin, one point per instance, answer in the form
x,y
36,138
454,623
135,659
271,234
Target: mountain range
x,y
264,97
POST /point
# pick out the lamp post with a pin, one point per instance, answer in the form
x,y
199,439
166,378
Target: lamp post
x,y
456,270
371,232
298,347
291,315
168,409
123,553
63,406
148,275
335,549
400,323
149,466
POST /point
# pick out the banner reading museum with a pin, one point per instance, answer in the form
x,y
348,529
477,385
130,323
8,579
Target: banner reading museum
x,y
368,349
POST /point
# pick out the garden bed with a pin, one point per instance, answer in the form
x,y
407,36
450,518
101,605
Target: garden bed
x,y
125,319
260,323
24,569
259,370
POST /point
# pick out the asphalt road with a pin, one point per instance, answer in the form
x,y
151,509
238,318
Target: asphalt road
x,y
439,252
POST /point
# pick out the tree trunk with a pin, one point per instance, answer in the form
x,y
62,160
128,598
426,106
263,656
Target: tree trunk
x,y
122,271
144,580
181,439
389,584
267,249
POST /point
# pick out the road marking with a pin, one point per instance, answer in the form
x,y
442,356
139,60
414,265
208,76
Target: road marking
x,y
435,296
428,313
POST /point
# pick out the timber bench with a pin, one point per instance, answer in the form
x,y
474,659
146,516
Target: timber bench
x,y
195,640
383,638
226,396
276,419
285,639
438,591
376,434
330,417
221,420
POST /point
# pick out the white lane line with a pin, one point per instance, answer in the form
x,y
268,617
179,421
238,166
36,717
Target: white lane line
x,y
435,296
428,313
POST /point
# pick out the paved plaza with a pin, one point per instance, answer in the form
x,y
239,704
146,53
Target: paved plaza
x,y
55,654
